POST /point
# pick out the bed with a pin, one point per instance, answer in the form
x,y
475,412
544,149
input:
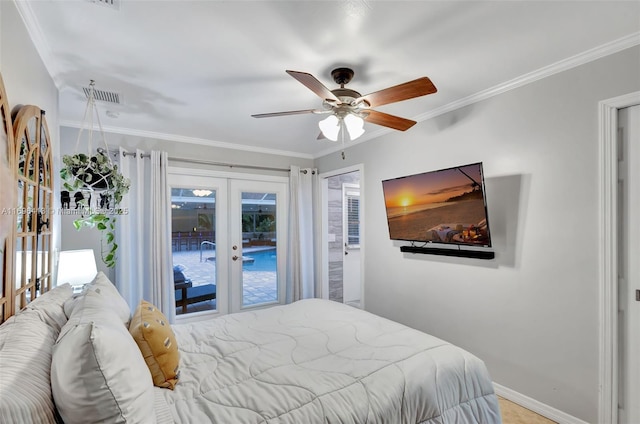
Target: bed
x,y
73,358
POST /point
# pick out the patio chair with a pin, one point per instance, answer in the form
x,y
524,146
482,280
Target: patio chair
x,y
187,294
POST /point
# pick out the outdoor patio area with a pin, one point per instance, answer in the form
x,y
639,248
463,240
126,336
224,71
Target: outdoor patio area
x,y
259,284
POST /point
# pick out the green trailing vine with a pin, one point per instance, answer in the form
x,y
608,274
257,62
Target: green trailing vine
x,y
97,175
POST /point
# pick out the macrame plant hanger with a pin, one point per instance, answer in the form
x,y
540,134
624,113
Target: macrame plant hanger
x,y
102,182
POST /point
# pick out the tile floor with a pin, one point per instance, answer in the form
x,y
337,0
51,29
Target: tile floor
x,y
259,286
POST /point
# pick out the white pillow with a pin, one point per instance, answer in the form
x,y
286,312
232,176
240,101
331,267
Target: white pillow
x,y
50,306
99,294
26,342
98,374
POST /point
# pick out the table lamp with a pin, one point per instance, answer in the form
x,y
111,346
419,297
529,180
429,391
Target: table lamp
x,y
76,267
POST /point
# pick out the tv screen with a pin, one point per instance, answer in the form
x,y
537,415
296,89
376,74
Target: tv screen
x,y
443,206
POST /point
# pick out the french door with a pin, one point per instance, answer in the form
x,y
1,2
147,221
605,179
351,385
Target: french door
x,y
228,242
258,242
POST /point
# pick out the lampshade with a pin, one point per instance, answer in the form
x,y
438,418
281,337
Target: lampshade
x,y
76,267
332,125
355,125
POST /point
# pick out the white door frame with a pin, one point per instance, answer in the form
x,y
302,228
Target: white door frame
x,y
219,185
608,253
324,252
347,269
225,292
235,190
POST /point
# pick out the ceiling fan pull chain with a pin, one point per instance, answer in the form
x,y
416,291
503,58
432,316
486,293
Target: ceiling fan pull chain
x,y
342,130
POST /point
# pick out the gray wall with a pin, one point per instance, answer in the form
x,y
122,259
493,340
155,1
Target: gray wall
x,y
27,82
532,313
89,238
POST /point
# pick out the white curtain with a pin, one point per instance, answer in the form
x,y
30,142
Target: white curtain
x,y
143,266
304,218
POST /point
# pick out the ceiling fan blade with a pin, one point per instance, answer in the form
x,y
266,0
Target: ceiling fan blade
x,y
408,90
314,85
290,112
391,121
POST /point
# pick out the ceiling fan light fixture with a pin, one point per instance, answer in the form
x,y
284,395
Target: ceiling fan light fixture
x,y
355,125
330,127
347,107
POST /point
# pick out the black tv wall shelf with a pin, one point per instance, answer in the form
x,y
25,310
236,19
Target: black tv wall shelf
x,y
476,254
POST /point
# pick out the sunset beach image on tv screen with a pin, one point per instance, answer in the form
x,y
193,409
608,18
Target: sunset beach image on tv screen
x,y
444,206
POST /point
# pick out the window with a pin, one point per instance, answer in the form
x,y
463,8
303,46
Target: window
x,y
351,216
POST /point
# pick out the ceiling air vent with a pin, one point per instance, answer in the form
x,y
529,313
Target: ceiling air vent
x,y
103,96
114,4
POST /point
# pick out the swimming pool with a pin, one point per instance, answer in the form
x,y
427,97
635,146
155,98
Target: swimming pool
x,y
263,260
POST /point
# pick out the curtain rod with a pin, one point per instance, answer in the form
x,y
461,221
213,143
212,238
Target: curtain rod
x,y
143,155
124,153
207,162
230,165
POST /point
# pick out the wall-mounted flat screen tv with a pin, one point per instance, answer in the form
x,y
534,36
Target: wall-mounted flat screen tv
x,y
443,206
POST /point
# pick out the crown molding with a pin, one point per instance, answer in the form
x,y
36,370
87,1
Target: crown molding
x,y
43,49
39,40
607,49
555,68
184,139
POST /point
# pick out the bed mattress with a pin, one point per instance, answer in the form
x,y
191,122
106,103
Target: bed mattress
x,y
317,361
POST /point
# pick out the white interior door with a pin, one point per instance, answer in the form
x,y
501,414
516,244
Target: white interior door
x,y
351,235
629,274
257,244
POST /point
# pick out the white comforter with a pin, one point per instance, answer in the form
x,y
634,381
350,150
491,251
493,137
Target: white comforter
x,y
317,361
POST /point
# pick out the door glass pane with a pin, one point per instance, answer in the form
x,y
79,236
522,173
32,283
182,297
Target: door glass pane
x,y
259,252
193,244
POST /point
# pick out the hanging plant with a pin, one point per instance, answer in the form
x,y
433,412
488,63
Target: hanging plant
x,y
91,176
96,175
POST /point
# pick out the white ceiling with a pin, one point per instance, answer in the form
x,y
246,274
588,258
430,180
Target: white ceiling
x,y
197,70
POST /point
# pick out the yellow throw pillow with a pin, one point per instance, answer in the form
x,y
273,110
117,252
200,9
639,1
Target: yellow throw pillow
x,y
154,336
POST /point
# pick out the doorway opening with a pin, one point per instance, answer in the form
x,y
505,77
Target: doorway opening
x,y
611,329
342,237
628,269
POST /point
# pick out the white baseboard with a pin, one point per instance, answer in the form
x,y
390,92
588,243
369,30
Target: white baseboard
x,y
536,406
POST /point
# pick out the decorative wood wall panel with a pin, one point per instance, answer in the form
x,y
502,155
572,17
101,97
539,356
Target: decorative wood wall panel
x,y
33,237
7,183
26,206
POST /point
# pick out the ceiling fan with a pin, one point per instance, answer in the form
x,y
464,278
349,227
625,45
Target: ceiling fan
x,y
348,109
